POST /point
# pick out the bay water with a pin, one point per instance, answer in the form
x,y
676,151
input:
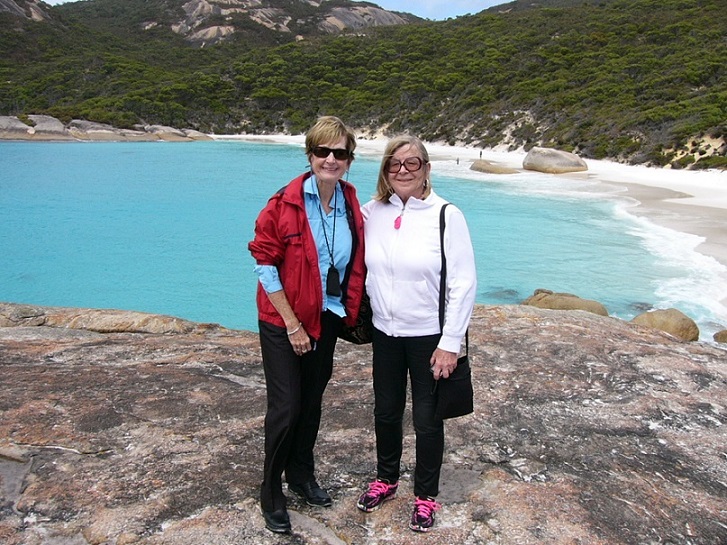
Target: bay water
x,y
163,228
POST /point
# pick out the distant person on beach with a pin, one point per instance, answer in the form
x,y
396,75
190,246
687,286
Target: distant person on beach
x,y
403,260
308,247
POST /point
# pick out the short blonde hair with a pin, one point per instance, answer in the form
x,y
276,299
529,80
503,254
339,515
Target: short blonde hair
x,y
329,128
384,191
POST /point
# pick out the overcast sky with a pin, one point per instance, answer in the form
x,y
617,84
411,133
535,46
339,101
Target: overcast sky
x,y
429,9
438,9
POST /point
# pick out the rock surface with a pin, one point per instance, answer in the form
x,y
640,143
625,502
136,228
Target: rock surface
x,y
481,165
47,128
587,430
28,9
564,301
553,161
201,23
670,320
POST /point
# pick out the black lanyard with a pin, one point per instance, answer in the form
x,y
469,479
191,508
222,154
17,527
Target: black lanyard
x,y
333,280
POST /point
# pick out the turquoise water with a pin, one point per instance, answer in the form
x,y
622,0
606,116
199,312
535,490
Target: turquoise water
x,y
164,227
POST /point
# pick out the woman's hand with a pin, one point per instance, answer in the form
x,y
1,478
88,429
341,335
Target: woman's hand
x,y
299,339
443,363
297,335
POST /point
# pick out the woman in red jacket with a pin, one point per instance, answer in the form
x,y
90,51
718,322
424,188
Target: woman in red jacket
x,y
308,247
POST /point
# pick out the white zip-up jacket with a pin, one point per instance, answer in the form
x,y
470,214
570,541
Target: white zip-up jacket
x,y
404,267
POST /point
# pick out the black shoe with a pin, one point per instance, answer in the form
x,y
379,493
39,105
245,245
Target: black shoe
x,y
312,493
277,521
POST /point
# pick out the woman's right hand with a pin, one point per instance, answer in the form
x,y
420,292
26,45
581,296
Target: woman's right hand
x,y
299,340
297,335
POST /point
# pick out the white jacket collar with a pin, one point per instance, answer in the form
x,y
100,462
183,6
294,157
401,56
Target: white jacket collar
x,y
417,204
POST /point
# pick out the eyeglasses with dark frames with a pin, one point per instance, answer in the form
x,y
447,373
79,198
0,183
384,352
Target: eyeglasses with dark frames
x,y
412,164
340,154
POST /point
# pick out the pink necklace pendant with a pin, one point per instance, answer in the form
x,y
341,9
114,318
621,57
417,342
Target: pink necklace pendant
x,y
397,222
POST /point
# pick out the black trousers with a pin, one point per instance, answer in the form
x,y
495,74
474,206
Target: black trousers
x,y
295,386
394,358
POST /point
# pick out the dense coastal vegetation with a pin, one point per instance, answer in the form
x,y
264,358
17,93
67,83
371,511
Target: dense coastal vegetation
x,y
640,81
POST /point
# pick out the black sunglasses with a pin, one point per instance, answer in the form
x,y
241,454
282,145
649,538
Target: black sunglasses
x,y
340,154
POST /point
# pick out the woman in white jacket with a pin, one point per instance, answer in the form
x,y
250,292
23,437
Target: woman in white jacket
x,y
404,262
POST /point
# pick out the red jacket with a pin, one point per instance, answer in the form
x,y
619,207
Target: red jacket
x,y
283,238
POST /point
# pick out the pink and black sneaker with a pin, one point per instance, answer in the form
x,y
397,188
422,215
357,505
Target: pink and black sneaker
x,y
422,519
379,491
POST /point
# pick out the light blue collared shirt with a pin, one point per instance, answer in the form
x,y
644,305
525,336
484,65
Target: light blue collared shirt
x,y
321,225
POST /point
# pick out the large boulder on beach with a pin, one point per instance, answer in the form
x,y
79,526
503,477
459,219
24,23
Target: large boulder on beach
x,y
12,128
553,161
481,165
564,301
46,127
168,134
196,135
39,128
670,320
101,132
587,429
720,336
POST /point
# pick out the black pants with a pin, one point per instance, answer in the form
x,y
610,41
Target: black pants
x,y
295,386
394,358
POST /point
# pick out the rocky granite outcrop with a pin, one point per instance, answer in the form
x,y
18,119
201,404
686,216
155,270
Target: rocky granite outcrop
x,y
204,22
542,298
488,167
358,18
670,320
11,128
587,429
47,128
27,9
98,320
553,161
211,21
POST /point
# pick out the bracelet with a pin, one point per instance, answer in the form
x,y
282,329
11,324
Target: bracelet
x,y
300,324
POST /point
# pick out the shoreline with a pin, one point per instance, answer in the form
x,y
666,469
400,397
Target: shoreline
x,y
693,202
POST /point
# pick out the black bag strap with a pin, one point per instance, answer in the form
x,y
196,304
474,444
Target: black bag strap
x,y
443,274
443,280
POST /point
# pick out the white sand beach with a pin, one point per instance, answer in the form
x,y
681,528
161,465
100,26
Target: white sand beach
x,y
693,202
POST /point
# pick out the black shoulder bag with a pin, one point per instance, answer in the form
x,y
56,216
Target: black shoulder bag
x,y
455,396
362,332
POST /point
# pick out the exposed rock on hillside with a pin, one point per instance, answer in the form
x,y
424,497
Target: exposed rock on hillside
x,y
205,22
213,20
587,429
28,9
357,18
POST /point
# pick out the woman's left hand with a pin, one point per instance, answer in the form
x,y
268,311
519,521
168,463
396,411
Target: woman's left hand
x,y
443,363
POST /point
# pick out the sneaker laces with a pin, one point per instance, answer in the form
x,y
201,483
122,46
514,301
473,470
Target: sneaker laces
x,y
378,488
424,507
